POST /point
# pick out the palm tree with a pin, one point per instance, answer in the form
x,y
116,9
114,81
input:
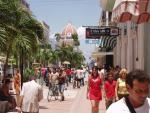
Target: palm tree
x,y
77,59
75,39
22,31
2,38
44,54
54,58
64,52
27,41
57,35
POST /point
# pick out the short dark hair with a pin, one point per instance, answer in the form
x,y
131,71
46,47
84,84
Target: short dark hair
x,y
137,74
6,81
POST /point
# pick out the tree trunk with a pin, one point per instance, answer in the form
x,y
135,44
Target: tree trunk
x,y
21,66
6,64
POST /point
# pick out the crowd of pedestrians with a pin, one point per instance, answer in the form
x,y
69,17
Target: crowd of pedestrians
x,y
137,101
115,85
123,92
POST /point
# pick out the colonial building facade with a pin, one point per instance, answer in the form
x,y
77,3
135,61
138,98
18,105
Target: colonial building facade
x,y
132,17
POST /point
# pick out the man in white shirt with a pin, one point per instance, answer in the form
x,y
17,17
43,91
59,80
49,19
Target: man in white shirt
x,y
137,83
80,77
31,94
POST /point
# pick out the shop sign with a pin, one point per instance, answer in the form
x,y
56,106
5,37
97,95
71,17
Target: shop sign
x,y
96,33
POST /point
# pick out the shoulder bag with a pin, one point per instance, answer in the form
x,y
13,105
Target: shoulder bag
x,y
129,105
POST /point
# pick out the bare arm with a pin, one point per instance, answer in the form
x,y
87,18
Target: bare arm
x,y
88,84
18,107
20,101
116,89
49,77
40,94
104,91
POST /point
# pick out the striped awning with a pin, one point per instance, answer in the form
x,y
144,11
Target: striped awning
x,y
131,10
108,42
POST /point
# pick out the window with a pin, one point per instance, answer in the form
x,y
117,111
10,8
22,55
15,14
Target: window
x,y
125,29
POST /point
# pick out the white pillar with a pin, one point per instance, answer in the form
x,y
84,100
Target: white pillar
x,y
107,18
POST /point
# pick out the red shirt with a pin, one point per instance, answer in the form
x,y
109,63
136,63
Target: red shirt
x,y
68,72
95,88
110,89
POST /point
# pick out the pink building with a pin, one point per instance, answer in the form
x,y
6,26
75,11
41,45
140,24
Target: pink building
x,y
66,35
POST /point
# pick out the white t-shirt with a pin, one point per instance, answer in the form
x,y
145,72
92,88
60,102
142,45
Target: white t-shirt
x,y
32,93
121,107
80,73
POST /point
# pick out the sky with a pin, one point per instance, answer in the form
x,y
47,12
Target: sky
x,y
57,13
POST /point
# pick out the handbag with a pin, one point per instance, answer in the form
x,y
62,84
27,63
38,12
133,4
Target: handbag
x,y
129,105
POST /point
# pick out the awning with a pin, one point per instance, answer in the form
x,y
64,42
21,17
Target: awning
x,y
66,62
131,10
101,53
144,10
108,42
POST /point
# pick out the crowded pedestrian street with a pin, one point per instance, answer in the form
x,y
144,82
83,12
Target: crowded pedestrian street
x,y
56,106
75,102
74,56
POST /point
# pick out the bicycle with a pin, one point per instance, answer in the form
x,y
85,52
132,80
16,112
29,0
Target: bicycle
x,y
53,92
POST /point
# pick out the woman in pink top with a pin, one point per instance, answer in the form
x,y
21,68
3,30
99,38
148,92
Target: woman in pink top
x,y
94,89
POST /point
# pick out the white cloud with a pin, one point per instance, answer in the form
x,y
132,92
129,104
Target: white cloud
x,y
52,36
81,32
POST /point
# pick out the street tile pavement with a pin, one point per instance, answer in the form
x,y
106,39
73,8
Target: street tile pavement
x,y
56,106
82,104
75,102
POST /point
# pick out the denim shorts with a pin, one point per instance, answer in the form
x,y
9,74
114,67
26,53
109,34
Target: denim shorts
x,y
61,88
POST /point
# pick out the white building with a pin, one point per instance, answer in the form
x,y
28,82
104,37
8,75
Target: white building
x,y
46,29
132,16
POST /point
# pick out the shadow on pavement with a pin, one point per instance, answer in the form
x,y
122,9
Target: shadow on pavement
x,y
43,107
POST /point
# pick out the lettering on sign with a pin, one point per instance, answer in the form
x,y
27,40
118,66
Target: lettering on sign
x,y
96,33
93,41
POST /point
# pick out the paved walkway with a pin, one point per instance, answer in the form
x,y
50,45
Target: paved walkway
x,y
56,106
75,102
82,105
